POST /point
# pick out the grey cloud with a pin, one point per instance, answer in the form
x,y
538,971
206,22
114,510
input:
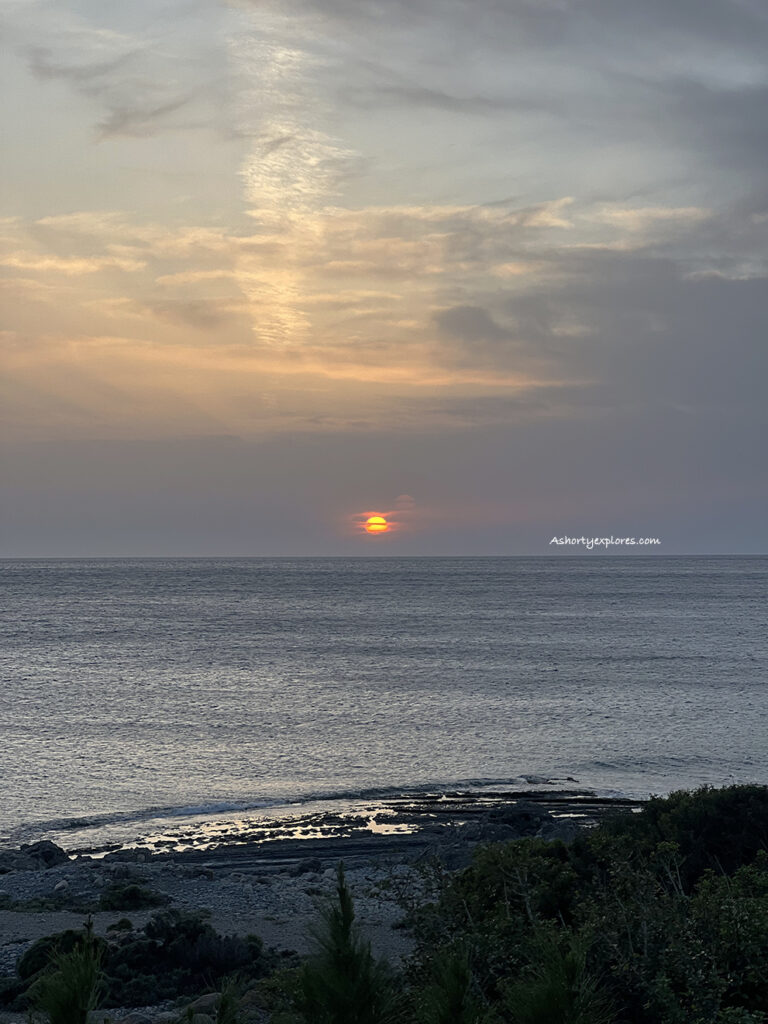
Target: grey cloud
x,y
698,487
470,324
139,79
414,95
652,335
202,314
140,121
43,64
271,145
549,22
670,77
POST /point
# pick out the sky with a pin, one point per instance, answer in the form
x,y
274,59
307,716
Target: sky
x,y
495,270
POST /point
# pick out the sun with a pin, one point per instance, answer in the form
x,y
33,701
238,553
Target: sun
x,y
376,524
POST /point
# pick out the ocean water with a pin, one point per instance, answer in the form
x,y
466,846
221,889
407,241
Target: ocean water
x,y
140,692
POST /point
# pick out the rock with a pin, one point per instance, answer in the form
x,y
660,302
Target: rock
x,y
201,1018
205,1003
563,829
524,818
167,1017
132,855
12,860
45,853
307,865
62,886
137,1018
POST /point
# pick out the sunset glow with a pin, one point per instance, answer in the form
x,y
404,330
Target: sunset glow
x,y
263,268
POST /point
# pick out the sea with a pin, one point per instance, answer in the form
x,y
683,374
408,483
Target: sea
x,y
142,694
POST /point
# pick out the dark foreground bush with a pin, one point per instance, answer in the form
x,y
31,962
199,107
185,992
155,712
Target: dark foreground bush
x,y
73,984
177,954
174,955
657,919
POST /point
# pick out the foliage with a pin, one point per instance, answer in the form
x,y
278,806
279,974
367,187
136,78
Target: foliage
x,y
130,897
663,919
558,987
342,983
450,995
228,1006
72,987
652,918
174,955
177,954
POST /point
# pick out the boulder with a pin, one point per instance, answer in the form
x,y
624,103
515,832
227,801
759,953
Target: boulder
x,y
61,887
523,818
45,853
309,864
564,829
206,1003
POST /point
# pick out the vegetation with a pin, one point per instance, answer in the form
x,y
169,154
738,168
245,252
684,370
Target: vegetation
x,y
342,983
173,956
130,897
71,987
654,918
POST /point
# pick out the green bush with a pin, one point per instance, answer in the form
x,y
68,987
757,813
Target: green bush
x,y
558,987
177,954
130,897
663,918
174,955
68,991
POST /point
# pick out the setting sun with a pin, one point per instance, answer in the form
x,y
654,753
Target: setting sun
x,y
376,524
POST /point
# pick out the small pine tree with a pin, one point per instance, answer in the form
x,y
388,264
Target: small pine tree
x,y
560,989
69,992
342,983
449,998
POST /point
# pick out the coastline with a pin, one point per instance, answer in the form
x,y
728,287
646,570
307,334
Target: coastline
x,y
267,880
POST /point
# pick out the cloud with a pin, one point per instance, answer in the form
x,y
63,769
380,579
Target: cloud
x,y
71,266
138,80
470,323
202,314
43,64
141,121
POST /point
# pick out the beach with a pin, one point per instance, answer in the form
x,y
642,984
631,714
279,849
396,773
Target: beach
x,y
270,879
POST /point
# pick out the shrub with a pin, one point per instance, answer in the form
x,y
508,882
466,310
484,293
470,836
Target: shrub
x,y
665,916
558,987
72,989
450,996
342,983
130,897
177,954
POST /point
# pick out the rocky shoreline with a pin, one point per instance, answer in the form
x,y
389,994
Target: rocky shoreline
x,y
267,879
